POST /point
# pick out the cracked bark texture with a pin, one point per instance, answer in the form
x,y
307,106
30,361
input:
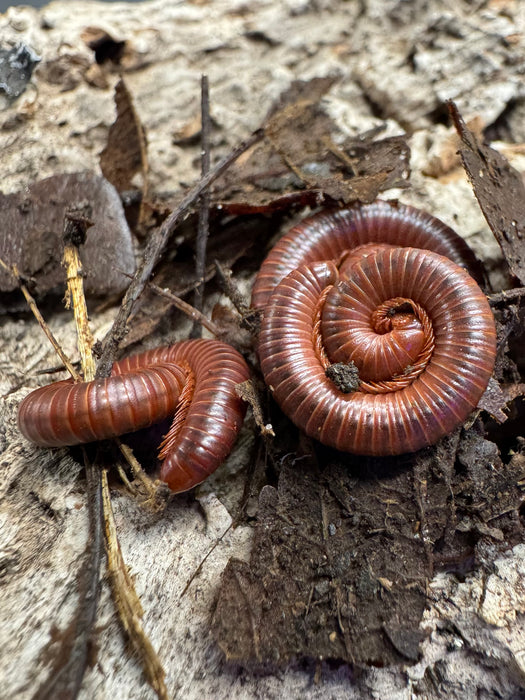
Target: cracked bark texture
x,y
396,63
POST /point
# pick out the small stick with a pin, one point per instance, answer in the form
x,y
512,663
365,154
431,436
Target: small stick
x,y
247,392
250,318
67,682
41,321
225,278
154,250
75,229
187,309
204,206
507,295
155,498
124,594
199,568
127,601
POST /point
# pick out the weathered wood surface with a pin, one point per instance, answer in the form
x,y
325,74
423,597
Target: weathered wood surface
x,y
396,63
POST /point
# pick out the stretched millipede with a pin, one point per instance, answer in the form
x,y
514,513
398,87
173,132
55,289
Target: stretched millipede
x,y
374,339
193,380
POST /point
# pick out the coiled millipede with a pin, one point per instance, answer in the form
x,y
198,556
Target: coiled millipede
x,y
193,380
372,341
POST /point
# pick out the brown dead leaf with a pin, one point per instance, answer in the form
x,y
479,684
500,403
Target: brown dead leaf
x,y
305,160
125,154
500,192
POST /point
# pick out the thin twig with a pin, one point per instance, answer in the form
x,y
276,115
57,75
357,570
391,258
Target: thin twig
x,y
128,602
507,295
124,594
247,392
199,568
155,496
75,229
41,321
225,279
204,207
250,318
187,309
73,656
154,249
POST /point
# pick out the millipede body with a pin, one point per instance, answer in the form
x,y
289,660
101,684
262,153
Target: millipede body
x,y
375,339
193,380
